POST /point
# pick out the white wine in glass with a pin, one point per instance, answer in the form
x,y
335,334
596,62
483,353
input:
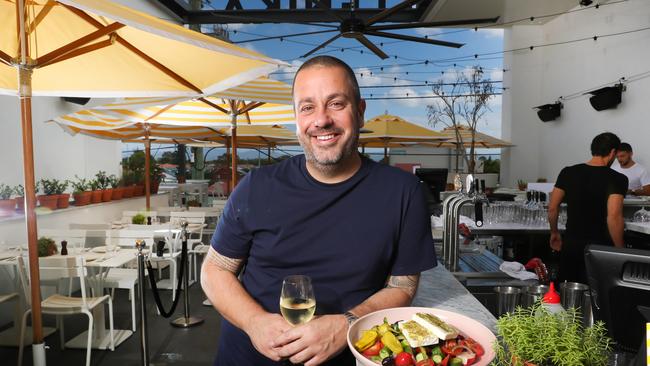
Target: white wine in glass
x,y
297,301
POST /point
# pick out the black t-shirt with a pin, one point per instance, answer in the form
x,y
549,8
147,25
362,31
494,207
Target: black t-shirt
x,y
587,189
348,237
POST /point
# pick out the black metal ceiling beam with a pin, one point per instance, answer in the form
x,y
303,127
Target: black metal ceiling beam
x,y
260,16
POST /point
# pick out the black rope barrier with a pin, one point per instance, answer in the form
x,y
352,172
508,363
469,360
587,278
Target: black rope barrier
x,y
154,287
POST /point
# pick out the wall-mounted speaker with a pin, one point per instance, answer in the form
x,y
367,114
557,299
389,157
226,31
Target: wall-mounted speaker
x,y
75,100
549,112
606,98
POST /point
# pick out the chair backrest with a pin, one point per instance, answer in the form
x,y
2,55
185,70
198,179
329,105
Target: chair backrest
x,y
192,217
127,238
95,233
75,238
23,278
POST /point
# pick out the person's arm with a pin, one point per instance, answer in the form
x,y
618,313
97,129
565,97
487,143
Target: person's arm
x,y
220,284
324,337
615,222
643,191
553,213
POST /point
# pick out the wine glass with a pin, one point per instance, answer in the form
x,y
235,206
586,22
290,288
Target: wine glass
x,y
297,301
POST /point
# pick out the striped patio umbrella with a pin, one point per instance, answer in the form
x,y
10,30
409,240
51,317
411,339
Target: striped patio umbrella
x,y
387,129
481,140
96,48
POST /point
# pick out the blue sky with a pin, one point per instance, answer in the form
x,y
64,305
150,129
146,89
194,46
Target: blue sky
x,y
443,62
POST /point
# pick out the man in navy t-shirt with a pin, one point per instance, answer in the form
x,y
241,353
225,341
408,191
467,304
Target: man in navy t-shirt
x,y
359,229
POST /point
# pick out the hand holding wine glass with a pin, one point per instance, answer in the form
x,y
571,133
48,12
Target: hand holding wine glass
x,y
297,301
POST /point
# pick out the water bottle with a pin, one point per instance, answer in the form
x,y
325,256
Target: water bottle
x,y
551,301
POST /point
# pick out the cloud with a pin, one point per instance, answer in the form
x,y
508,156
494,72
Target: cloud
x,y
491,32
496,74
431,32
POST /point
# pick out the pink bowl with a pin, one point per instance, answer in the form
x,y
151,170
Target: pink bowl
x,y
467,326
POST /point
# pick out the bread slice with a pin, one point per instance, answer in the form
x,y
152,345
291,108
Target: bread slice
x,y
416,335
436,326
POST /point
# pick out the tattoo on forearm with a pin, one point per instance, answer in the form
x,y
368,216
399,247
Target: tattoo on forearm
x,y
225,263
408,284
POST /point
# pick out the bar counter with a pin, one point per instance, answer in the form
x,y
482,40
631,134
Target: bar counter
x,y
439,289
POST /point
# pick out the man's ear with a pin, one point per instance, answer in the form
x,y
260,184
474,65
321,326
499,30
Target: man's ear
x,y
361,110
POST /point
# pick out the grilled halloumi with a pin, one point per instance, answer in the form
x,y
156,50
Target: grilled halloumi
x,y
416,335
436,326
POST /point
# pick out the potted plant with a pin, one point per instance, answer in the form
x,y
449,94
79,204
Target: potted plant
x,y
534,337
104,182
138,180
117,190
127,182
7,204
63,200
46,247
138,219
49,198
157,174
522,184
96,193
80,192
20,197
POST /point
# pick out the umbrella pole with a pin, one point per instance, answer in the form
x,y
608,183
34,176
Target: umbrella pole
x,y
233,138
38,350
147,168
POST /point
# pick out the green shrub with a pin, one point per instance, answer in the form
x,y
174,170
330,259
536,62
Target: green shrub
x,y
5,191
138,219
46,247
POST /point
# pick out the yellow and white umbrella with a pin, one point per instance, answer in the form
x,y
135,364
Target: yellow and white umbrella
x,y
387,130
481,140
96,48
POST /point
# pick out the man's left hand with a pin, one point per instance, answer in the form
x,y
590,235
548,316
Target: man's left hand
x,y
314,342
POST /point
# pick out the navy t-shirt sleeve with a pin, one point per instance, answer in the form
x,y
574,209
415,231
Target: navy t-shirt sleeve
x,y
415,250
232,238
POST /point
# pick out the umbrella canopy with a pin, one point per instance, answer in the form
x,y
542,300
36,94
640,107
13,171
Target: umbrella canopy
x,y
481,140
387,129
95,48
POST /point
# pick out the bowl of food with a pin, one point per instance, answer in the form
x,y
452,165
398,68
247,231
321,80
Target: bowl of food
x,y
417,336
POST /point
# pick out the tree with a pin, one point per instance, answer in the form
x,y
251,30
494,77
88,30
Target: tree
x,y
463,101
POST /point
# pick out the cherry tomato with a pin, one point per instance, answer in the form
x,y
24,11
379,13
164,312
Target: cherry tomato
x,y
451,348
404,359
445,360
373,350
474,346
427,362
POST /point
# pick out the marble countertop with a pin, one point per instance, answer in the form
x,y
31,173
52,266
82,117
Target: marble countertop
x,y
439,289
641,227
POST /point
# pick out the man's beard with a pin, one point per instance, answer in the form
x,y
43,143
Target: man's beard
x,y
328,164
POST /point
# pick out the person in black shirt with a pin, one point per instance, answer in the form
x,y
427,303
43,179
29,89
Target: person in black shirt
x,y
594,195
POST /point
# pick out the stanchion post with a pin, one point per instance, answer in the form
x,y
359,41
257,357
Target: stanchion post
x,y
186,320
144,333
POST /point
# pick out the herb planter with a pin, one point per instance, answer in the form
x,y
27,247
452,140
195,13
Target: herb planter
x,y
117,193
96,197
82,198
20,204
107,194
128,192
7,207
63,200
48,201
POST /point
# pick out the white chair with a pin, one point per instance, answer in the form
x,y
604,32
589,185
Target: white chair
x,y
165,211
76,240
193,218
69,266
95,233
126,278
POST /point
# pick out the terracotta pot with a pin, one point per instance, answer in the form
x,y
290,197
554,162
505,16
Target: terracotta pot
x,y
117,193
82,198
20,204
154,186
96,197
50,201
107,194
63,200
138,191
7,207
128,192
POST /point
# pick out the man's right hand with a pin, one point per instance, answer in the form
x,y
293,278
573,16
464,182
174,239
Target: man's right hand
x,y
556,241
263,330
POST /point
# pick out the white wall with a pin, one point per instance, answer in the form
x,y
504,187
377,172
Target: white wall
x,y
542,75
410,156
